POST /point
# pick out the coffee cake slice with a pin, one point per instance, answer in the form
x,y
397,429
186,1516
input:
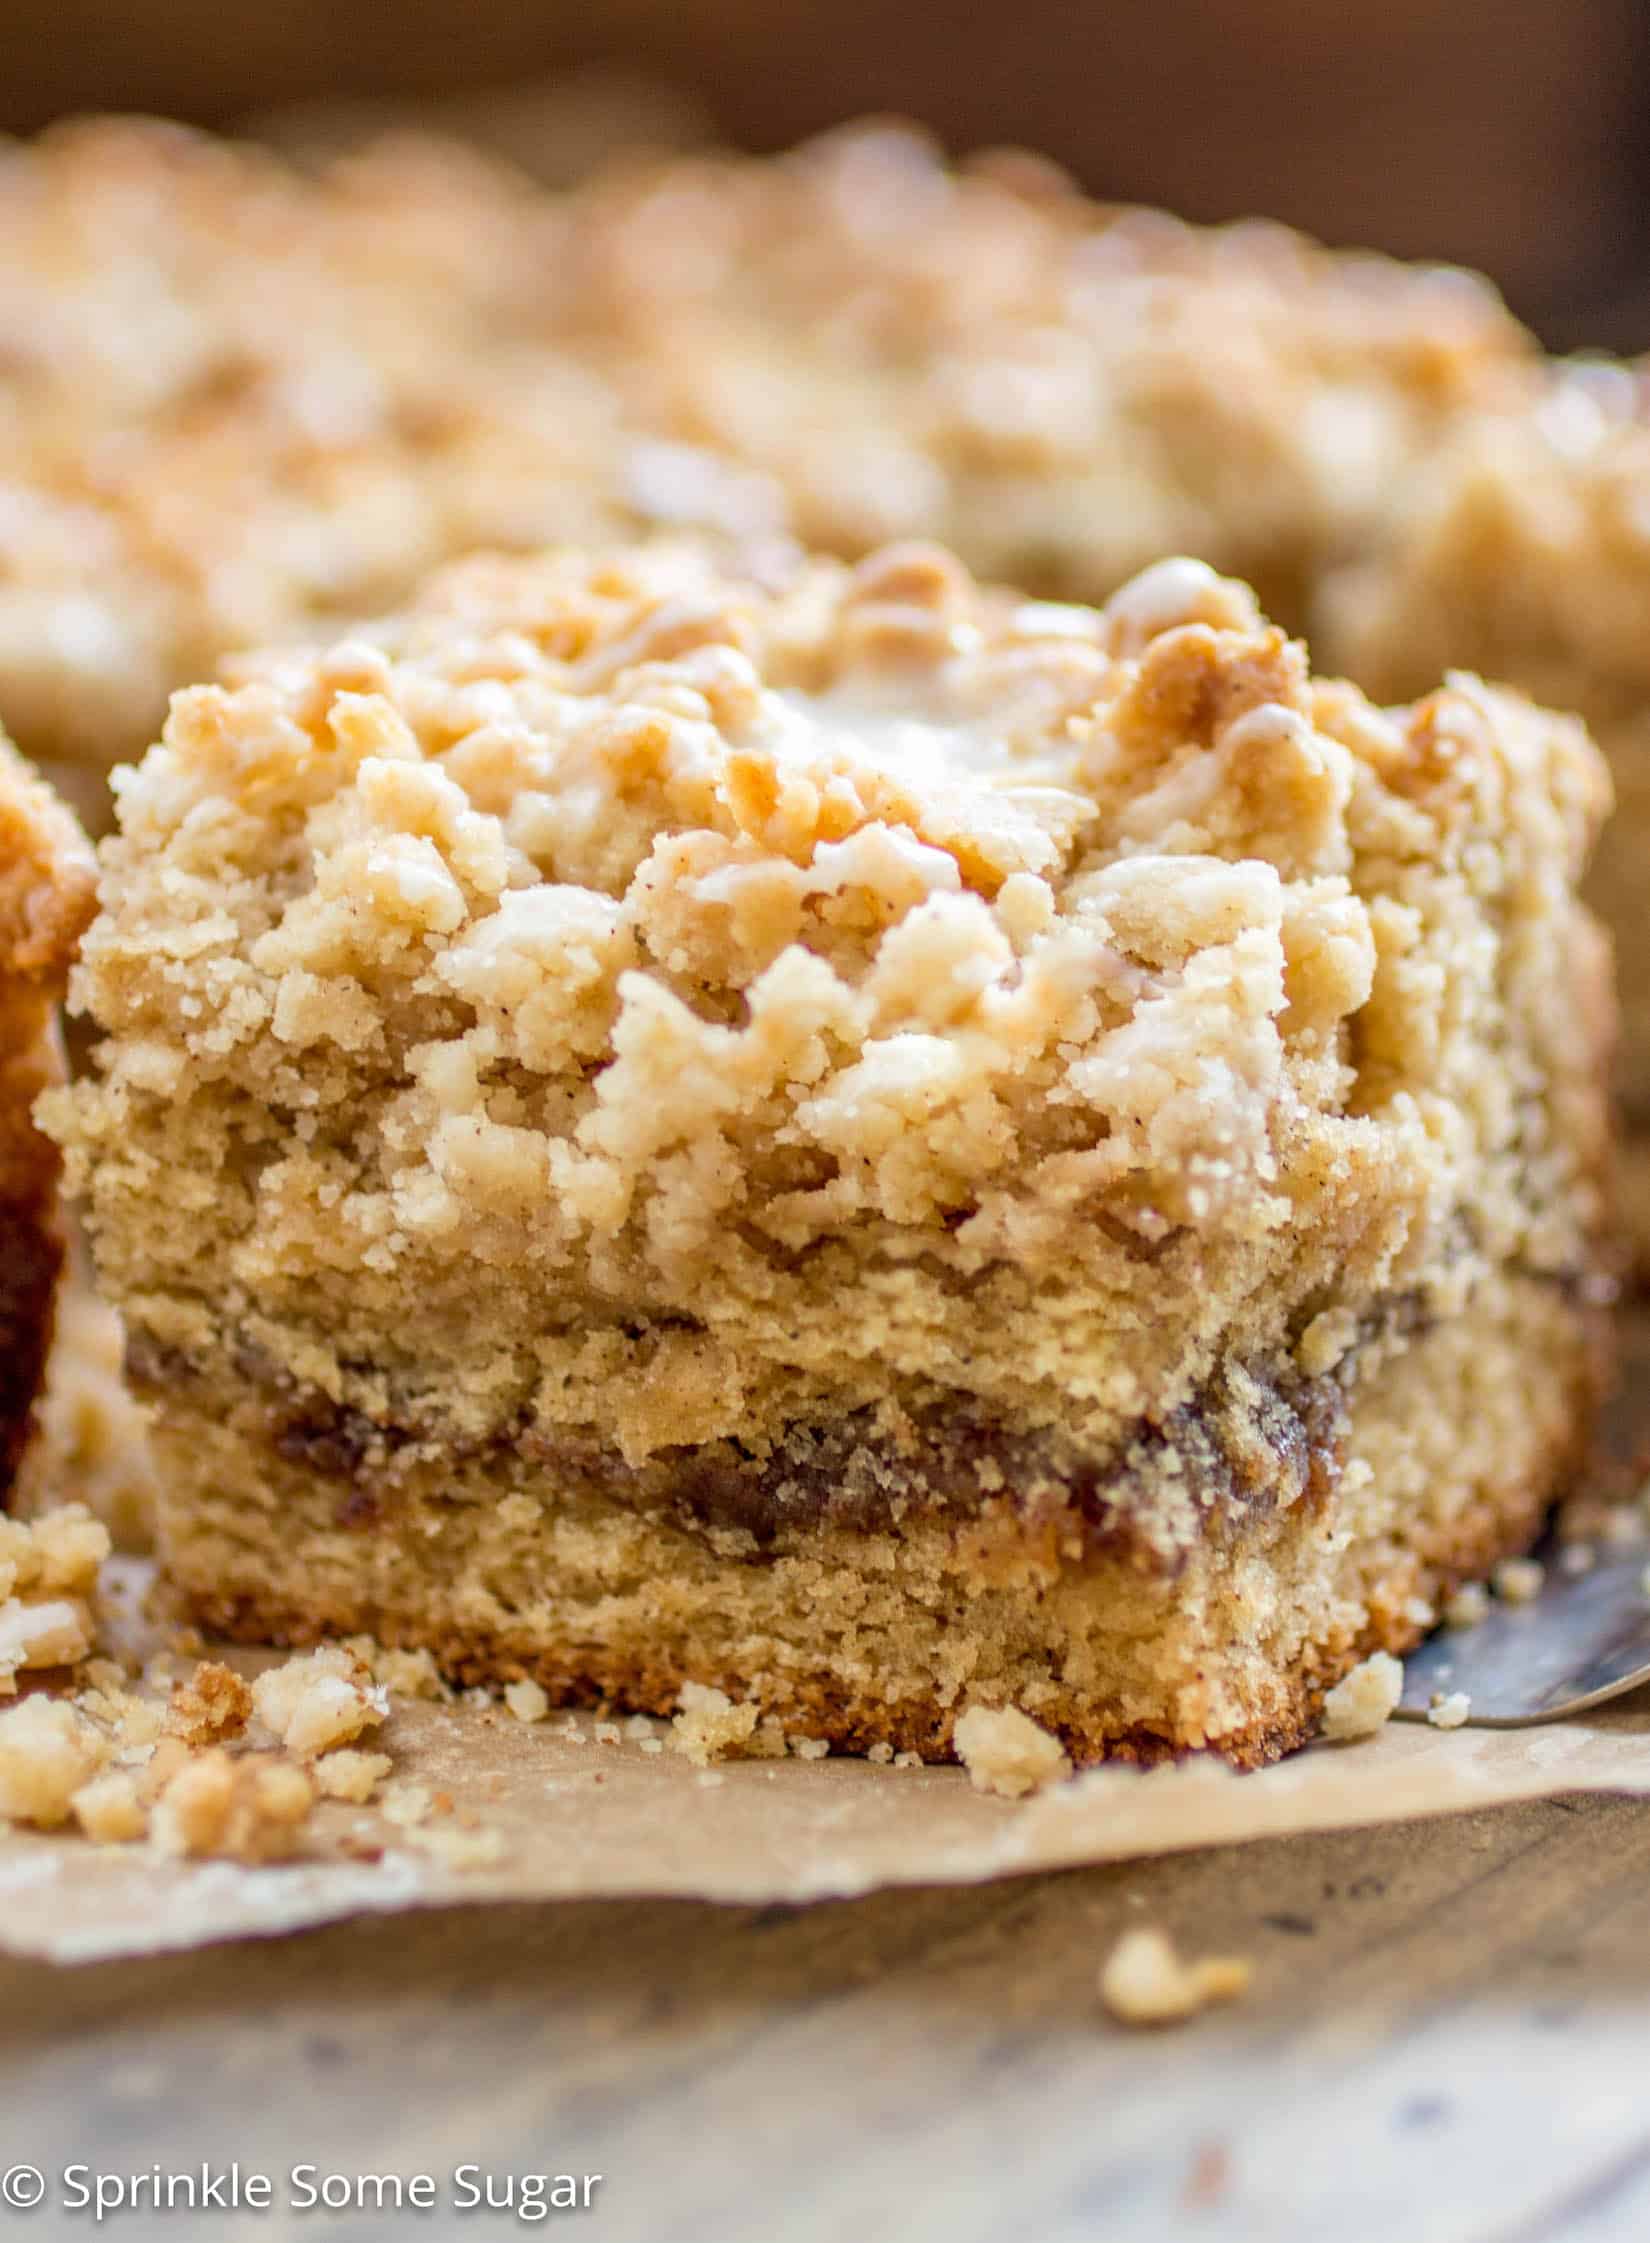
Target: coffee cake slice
x,y
46,897
875,1145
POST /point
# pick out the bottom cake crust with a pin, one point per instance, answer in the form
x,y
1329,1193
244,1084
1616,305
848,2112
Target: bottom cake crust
x,y
508,1563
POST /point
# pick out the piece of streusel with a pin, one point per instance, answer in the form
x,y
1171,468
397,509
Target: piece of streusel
x,y
248,1809
1144,1982
866,1142
319,1701
1007,1753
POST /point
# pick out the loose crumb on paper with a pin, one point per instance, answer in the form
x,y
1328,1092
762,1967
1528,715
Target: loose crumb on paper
x,y
527,1700
1006,1752
1363,1701
249,1809
48,1578
323,1699
709,1726
210,1706
1144,1982
48,1752
350,1775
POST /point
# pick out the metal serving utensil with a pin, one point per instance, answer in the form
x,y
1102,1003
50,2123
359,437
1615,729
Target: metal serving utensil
x,y
1583,1638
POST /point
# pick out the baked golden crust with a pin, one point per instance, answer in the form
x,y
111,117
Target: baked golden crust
x,y
857,1057
46,899
243,402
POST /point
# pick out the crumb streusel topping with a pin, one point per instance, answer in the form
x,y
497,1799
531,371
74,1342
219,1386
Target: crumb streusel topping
x,y
774,993
239,402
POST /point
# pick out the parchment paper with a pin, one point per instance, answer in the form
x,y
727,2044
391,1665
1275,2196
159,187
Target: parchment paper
x,y
584,1818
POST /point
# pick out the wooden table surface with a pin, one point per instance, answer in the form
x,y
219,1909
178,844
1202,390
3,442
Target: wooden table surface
x,y
1448,2037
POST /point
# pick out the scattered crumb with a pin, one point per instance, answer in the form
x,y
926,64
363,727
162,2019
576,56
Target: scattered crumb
x,y
404,1674
710,1778
709,1725
1449,1709
1362,1701
55,1555
882,1752
459,1849
908,1760
48,1577
407,1804
1467,1606
811,1748
109,1810
1519,1580
1144,1982
48,1752
653,1744
55,1633
210,1706
318,1700
609,1733
1006,1753
527,1700
350,1775
249,1809
1577,1558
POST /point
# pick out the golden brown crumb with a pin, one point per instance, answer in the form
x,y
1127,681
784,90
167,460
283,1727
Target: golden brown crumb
x,y
1144,1982
404,1674
527,1701
1467,1606
48,1752
350,1775
1006,1753
407,1804
210,1706
457,1848
1519,1580
318,1700
48,1574
109,1809
250,1809
55,1555
1363,1701
1449,1710
710,1726
55,1633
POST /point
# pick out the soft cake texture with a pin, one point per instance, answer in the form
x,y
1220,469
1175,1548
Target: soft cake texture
x,y
46,897
864,1143
241,401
